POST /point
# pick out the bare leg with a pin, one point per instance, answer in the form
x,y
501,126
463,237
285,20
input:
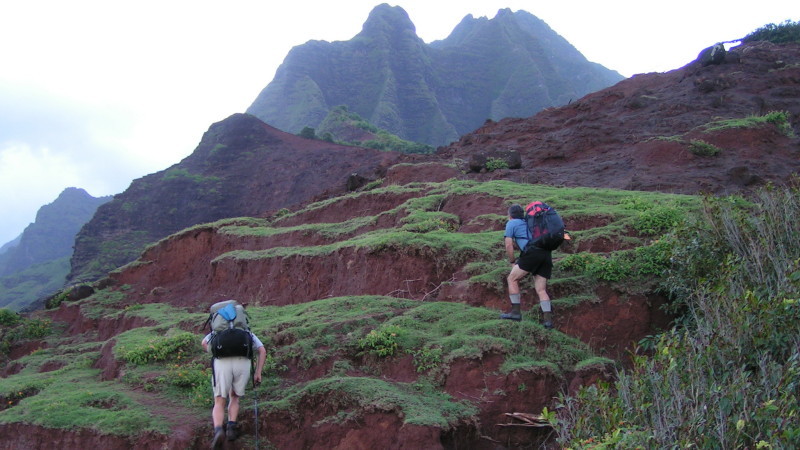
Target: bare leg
x,y
513,293
513,279
233,407
540,284
218,413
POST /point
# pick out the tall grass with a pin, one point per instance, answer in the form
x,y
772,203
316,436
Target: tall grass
x,y
729,375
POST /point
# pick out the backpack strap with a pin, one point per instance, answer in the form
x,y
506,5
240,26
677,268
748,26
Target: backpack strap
x,y
213,375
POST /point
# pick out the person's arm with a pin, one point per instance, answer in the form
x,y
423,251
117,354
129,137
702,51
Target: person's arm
x,y
510,250
262,357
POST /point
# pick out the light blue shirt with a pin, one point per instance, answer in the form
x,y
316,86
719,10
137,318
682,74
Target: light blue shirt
x,y
517,229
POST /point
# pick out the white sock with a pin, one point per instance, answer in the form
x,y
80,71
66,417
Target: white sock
x,y
514,299
545,305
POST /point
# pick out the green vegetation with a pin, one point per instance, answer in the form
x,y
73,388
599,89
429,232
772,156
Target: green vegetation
x,y
15,329
350,397
700,147
383,342
70,398
8,318
436,333
157,348
493,164
636,219
183,174
308,133
781,33
23,288
729,376
779,119
341,122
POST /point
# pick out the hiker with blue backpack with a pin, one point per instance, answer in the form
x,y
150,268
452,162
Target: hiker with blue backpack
x,y
232,346
536,231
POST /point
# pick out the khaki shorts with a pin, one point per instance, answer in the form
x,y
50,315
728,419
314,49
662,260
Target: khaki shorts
x,y
232,374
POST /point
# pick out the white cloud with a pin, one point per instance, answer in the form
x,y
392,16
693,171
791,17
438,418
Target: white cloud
x,y
30,178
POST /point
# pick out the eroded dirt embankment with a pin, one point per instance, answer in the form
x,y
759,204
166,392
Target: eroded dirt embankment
x,y
19,436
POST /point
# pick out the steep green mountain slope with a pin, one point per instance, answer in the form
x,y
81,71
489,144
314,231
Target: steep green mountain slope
x,y
24,288
511,66
38,265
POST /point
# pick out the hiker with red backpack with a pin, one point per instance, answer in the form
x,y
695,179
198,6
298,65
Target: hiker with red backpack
x,y
536,230
232,346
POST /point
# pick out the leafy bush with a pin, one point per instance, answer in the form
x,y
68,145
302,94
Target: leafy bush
x,y
308,133
193,378
653,259
700,147
427,358
782,33
382,342
8,318
615,267
36,328
781,120
730,376
493,164
162,348
658,219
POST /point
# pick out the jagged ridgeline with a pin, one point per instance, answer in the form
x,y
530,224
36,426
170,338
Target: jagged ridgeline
x,y
513,65
380,312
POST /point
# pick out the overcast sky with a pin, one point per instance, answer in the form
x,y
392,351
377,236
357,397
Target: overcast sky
x,y
94,94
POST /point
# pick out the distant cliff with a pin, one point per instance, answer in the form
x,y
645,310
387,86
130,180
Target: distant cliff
x,y
38,264
511,66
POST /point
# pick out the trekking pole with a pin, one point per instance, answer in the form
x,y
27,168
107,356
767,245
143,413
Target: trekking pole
x,y
255,408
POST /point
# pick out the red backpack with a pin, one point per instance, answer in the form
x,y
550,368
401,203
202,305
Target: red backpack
x,y
545,226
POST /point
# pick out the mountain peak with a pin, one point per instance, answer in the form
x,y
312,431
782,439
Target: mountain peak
x,y
509,66
388,18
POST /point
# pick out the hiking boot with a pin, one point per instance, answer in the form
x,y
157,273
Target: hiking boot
x,y
548,320
233,431
514,314
219,437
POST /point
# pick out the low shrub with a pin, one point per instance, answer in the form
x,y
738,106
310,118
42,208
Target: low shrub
x,y
787,31
493,164
383,342
9,318
702,148
161,348
729,376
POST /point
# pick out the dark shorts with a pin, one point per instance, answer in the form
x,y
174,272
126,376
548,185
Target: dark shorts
x,y
537,262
